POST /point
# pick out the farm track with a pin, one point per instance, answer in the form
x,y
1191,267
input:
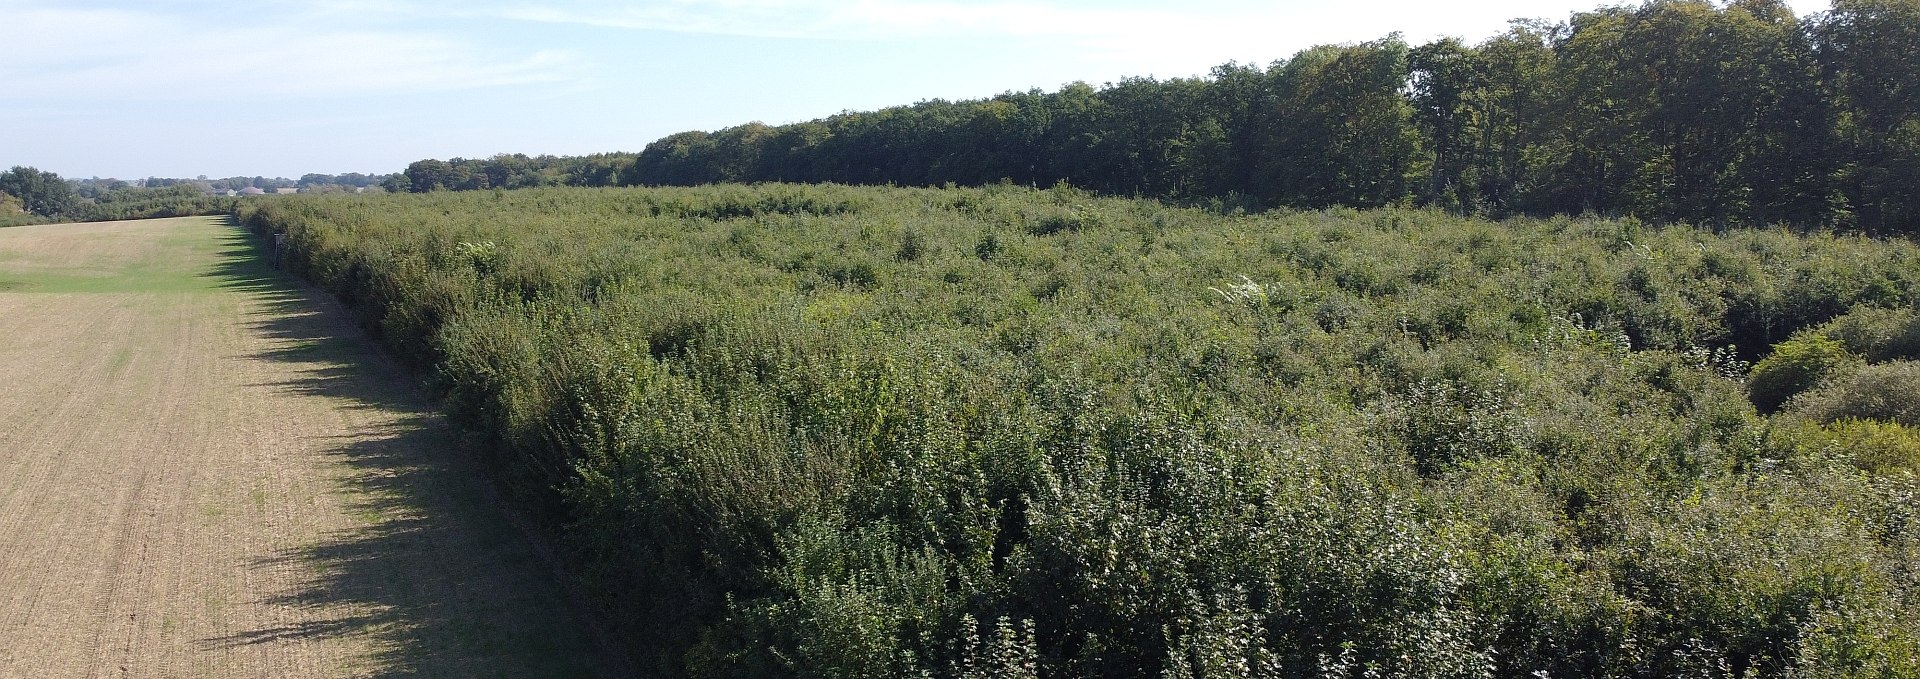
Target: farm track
x,y
207,471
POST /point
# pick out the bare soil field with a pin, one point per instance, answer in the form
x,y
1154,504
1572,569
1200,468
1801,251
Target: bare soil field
x,y
207,471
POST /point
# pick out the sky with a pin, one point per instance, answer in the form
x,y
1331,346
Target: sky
x,y
175,88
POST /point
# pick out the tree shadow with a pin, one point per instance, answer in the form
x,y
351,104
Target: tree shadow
x,y
438,572
241,265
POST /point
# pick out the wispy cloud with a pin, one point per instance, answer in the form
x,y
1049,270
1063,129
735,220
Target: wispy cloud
x,y
856,19
866,19
95,54
1139,37
1139,33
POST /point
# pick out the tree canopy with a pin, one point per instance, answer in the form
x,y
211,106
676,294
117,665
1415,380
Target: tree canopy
x,y
39,192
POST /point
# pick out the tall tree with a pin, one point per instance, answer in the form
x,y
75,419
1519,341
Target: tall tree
x,y
1595,134
687,158
1445,77
1344,136
427,175
1731,103
1866,50
1514,106
40,192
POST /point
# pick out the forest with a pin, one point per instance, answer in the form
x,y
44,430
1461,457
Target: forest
x,y
833,431
1669,111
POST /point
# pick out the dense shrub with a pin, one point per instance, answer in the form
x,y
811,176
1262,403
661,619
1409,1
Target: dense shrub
x,y
1885,391
859,432
1876,446
1876,333
1795,366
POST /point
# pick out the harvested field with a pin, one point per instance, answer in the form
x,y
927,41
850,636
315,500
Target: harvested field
x,y
207,471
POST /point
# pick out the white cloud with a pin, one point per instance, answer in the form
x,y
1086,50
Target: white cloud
x,y
104,54
852,19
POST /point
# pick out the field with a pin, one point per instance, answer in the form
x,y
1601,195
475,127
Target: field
x,y
842,432
207,471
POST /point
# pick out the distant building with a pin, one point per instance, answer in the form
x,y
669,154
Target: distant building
x,y
252,191
286,190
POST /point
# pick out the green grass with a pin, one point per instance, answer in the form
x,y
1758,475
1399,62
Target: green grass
x,y
133,279
183,261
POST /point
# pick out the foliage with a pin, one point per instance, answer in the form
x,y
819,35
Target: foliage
x,y
1875,446
39,192
1877,334
147,203
12,213
1885,391
1795,366
510,171
998,431
31,196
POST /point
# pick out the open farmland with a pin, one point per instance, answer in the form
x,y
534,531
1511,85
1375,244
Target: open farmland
x,y
207,471
869,432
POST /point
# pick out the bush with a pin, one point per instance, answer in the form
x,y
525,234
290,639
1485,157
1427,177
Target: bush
x,y
1887,391
827,431
1795,366
1876,333
1875,446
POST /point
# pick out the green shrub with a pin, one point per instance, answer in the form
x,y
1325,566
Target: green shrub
x,y
794,431
1795,366
1886,391
1876,333
1873,445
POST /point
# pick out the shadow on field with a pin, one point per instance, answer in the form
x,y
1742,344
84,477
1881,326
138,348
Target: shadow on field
x,y
434,573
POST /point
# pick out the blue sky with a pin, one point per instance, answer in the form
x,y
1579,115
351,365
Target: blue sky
x,y
175,88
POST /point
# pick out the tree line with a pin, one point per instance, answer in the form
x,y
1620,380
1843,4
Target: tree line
x,y
310,182
30,195
33,196
512,171
1673,110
